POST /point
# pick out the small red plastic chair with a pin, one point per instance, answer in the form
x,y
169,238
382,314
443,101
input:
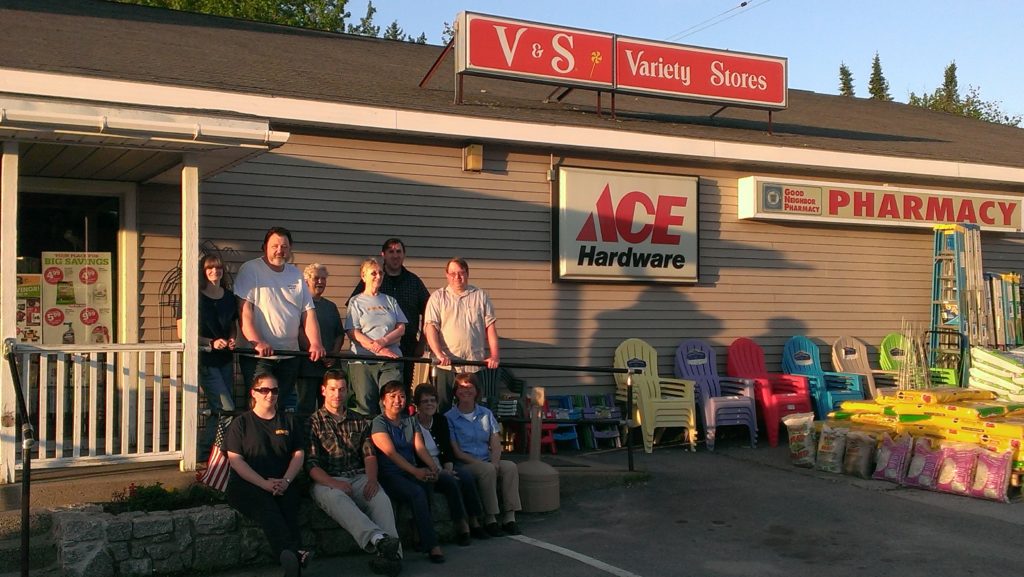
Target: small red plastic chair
x,y
777,395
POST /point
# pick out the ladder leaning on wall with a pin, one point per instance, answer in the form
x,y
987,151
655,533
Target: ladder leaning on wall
x,y
959,314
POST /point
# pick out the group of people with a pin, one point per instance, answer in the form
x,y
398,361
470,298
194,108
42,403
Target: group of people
x,y
358,458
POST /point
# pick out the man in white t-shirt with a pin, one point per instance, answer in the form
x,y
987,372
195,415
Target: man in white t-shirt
x,y
275,304
460,324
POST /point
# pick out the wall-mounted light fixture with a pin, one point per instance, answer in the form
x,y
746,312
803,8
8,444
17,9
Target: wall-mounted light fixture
x,y
473,158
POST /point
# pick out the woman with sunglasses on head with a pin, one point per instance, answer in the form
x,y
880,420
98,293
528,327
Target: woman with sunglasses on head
x,y
374,324
399,444
438,439
265,452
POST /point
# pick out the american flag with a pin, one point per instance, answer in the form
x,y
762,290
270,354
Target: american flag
x,y
217,467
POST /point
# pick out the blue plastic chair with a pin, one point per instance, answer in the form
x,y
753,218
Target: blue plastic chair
x,y
723,401
801,356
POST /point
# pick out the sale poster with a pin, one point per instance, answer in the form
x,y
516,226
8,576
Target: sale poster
x,y
76,300
30,317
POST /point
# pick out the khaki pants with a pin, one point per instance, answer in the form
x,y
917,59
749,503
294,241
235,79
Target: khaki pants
x,y
487,481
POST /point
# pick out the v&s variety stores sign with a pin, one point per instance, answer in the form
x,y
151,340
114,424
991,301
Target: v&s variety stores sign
x,y
626,226
771,199
493,46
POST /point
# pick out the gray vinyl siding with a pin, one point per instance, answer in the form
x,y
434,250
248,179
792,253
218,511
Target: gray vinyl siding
x,y
766,280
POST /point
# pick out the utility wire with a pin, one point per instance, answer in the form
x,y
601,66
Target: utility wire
x,y
716,20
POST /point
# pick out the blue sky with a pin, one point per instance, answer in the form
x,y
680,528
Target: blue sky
x,y
915,40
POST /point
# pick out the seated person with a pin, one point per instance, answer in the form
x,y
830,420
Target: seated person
x,y
265,452
343,466
438,439
476,441
399,442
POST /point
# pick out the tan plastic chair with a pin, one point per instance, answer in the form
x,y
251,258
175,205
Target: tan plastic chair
x,y
850,355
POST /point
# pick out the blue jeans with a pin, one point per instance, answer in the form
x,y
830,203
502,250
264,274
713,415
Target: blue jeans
x,y
217,385
285,370
404,488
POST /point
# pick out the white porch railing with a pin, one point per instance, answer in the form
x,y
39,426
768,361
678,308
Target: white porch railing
x,y
104,404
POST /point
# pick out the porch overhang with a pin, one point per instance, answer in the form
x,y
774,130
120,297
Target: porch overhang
x,y
127,143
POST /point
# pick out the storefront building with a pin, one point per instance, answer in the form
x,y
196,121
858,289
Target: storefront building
x,y
147,134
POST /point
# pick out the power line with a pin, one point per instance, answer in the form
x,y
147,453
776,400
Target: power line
x,y
716,20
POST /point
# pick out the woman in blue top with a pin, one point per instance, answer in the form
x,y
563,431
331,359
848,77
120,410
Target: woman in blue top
x,y
375,324
399,442
476,442
218,326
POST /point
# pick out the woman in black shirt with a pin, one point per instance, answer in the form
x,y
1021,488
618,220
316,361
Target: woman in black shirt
x,y
218,326
265,452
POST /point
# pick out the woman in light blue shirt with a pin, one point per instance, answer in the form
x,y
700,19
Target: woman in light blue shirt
x,y
476,441
375,324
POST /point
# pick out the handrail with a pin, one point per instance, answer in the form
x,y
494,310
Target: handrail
x,y
629,372
28,442
85,349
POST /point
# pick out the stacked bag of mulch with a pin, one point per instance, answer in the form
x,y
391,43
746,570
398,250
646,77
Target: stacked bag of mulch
x,y
960,441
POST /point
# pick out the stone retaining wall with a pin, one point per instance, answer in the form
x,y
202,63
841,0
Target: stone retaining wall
x,y
93,543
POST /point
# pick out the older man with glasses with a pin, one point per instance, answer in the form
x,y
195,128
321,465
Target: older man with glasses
x,y
460,324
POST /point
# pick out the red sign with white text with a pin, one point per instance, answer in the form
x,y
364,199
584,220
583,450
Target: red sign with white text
x,y
699,74
502,47
492,46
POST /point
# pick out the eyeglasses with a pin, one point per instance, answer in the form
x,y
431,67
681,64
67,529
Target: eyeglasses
x,y
457,274
428,400
266,390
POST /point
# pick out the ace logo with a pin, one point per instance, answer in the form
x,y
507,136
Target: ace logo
x,y
627,226
619,221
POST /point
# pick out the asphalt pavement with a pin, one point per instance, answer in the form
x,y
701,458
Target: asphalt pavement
x,y
734,512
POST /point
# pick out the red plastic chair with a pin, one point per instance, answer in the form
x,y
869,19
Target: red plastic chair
x,y
777,394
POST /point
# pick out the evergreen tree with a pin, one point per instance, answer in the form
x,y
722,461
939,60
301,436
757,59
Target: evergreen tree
x,y
946,98
845,80
394,32
365,26
319,14
878,86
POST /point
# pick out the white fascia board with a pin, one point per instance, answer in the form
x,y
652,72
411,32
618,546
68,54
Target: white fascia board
x,y
339,115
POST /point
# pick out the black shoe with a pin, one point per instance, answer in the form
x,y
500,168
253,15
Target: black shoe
x,y
388,548
493,530
382,566
511,528
479,533
463,539
436,558
290,564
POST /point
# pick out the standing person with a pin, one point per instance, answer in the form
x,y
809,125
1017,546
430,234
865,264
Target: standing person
x,y
275,305
476,441
218,326
375,324
437,437
265,452
343,466
460,325
399,443
405,287
311,373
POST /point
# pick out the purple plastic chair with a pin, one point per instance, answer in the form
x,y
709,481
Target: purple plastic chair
x,y
722,400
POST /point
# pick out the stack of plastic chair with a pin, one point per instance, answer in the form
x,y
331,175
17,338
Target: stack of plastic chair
x,y
722,401
850,355
801,356
658,402
602,407
561,406
777,395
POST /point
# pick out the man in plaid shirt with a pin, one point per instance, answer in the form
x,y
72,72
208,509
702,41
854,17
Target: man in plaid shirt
x,y
343,467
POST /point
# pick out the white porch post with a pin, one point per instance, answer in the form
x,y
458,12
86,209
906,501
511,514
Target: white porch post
x,y
189,311
8,304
